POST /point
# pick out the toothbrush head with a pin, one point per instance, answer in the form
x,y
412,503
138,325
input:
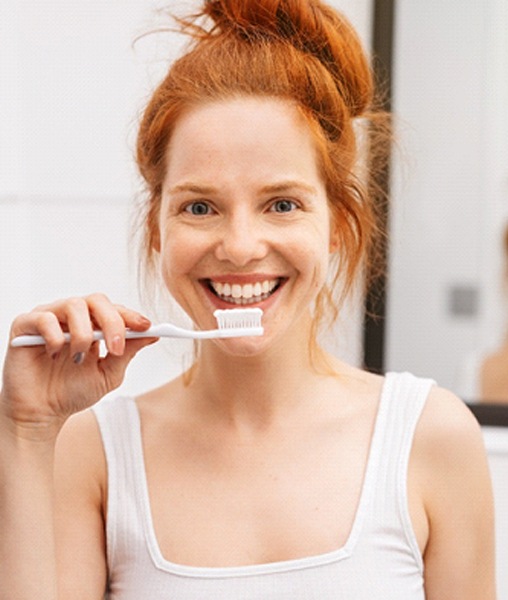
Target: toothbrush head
x,y
236,322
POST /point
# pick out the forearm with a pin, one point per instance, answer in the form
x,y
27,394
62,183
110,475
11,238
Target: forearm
x,y
27,540
41,388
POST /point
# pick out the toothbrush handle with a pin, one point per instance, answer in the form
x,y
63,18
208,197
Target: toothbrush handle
x,y
161,330
38,340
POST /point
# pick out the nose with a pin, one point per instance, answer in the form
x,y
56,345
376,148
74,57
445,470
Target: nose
x,y
242,239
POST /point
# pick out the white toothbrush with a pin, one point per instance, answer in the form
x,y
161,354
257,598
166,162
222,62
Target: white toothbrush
x,y
233,322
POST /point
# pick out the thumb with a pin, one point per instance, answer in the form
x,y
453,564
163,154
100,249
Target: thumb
x,y
114,366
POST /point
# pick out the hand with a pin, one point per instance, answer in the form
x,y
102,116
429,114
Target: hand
x,y
44,385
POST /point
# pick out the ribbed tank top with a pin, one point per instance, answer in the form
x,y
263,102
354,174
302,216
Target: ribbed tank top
x,y
379,561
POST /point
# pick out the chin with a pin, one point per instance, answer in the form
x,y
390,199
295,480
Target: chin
x,y
242,347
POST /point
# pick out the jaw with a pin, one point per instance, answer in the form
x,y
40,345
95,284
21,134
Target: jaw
x,y
285,303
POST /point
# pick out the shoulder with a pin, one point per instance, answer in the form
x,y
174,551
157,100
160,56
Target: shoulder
x,y
80,485
447,433
494,365
445,411
449,455
80,429
451,469
80,454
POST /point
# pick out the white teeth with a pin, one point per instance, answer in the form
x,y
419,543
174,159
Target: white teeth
x,y
244,294
248,291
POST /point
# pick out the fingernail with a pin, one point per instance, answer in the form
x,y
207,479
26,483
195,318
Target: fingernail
x,y
117,345
78,358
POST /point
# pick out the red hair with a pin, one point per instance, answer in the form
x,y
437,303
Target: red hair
x,y
302,51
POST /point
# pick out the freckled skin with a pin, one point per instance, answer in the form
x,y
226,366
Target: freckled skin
x,y
243,198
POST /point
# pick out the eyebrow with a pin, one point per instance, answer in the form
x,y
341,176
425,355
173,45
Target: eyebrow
x,y
273,188
284,186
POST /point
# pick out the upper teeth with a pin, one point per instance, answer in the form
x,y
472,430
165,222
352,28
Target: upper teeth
x,y
246,291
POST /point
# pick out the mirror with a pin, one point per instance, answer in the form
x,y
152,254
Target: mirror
x,y
449,189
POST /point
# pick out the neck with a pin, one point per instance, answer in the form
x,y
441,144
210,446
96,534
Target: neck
x,y
257,391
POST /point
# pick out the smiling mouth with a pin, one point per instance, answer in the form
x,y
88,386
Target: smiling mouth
x,y
249,293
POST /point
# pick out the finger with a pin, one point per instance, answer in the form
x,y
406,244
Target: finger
x,y
112,319
114,366
42,323
134,319
76,316
109,320
73,315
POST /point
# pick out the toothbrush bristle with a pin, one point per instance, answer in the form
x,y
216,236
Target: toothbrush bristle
x,y
235,318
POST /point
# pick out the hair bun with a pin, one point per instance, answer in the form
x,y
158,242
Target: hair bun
x,y
309,25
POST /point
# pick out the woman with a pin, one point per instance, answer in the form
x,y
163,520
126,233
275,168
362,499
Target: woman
x,y
483,375
271,469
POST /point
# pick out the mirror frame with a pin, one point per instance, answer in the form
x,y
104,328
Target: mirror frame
x,y
490,414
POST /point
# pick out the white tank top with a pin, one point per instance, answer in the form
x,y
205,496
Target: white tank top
x,y
379,561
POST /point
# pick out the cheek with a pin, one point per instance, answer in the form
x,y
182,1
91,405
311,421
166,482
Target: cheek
x,y
178,249
183,254
310,255
174,261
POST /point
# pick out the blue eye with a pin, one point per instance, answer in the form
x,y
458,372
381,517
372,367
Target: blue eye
x,y
283,206
199,209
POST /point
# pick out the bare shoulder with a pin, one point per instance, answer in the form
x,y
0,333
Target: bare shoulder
x,y
448,445
80,508
80,429
79,450
451,468
452,473
447,426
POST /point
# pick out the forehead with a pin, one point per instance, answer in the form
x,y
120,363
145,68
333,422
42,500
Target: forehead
x,y
262,135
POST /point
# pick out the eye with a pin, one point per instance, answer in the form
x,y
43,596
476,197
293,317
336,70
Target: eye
x,y
198,208
283,206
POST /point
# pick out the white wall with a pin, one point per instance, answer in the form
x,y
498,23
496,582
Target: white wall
x,y
72,86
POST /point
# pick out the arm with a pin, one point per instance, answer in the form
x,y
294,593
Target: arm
x,y
457,495
42,387
27,554
80,509
53,543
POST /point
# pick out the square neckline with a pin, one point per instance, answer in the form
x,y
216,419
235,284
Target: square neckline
x,y
338,554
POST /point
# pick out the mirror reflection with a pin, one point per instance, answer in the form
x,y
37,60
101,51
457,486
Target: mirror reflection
x,y
449,194
483,376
